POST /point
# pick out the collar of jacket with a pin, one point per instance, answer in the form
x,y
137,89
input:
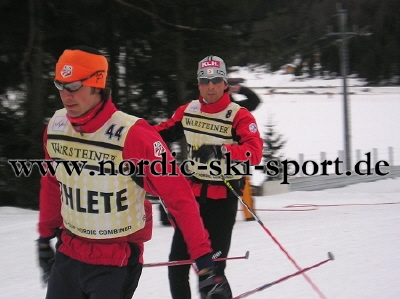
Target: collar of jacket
x,y
99,120
216,107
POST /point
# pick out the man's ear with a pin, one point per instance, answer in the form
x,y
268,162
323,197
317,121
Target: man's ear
x,y
226,86
94,90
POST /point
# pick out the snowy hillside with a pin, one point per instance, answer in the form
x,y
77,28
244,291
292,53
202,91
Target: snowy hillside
x,y
310,117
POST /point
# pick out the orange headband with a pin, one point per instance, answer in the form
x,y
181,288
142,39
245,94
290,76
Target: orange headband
x,y
75,65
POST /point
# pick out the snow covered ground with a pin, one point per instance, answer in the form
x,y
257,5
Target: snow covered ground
x,y
359,224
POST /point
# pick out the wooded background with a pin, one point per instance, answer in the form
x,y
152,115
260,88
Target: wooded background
x,y
153,47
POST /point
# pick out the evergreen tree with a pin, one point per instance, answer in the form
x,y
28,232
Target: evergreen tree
x,y
273,144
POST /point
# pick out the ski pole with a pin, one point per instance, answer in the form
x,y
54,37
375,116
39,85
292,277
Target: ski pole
x,y
169,216
189,262
308,279
268,285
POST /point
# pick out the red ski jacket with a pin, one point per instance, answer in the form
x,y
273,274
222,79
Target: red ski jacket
x,y
175,191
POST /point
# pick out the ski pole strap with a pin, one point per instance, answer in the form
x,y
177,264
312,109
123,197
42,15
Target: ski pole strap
x,y
212,280
215,287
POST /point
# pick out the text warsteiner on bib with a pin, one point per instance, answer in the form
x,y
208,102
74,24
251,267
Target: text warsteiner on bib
x,y
205,128
95,204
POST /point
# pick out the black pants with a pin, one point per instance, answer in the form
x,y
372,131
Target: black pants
x,y
71,279
219,217
163,216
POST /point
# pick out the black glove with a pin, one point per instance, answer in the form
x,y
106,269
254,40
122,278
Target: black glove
x,y
46,257
204,264
208,152
215,287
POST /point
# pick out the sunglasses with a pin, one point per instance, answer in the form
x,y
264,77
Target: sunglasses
x,y
215,80
73,86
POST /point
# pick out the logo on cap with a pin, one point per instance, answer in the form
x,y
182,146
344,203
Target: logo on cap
x,y
213,63
66,71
